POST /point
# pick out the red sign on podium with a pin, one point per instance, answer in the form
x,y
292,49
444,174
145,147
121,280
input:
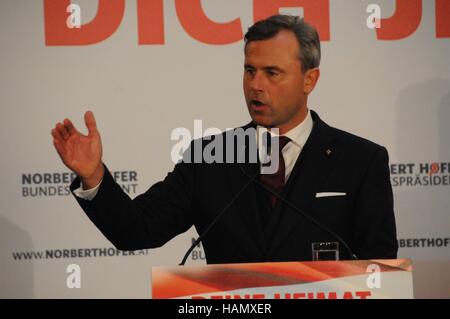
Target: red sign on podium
x,y
349,279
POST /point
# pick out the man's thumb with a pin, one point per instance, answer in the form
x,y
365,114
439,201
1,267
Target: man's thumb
x,y
91,125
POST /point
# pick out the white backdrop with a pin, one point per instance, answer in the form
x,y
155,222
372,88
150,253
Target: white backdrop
x,y
396,93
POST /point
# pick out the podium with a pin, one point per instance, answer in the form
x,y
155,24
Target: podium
x,y
347,279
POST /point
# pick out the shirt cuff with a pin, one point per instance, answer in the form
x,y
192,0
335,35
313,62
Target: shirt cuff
x,y
87,194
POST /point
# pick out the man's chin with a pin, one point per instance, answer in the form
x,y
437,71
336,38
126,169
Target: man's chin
x,y
262,121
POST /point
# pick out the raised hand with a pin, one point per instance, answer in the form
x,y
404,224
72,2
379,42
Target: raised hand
x,y
80,153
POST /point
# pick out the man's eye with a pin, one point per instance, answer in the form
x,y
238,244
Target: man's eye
x,y
273,73
250,71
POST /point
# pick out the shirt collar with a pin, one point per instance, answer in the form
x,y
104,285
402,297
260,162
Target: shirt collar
x,y
298,134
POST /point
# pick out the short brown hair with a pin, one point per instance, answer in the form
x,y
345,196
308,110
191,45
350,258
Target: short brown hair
x,y
307,36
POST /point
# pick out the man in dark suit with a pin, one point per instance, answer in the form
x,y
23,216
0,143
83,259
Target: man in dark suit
x,y
340,180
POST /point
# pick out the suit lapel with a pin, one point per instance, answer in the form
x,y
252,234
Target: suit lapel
x,y
246,207
311,169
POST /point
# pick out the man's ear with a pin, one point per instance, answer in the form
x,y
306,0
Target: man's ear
x,y
311,77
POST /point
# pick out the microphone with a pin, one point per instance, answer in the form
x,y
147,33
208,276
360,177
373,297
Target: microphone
x,y
211,225
302,213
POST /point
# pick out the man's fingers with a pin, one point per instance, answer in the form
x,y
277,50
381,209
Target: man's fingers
x,y
62,130
70,127
91,125
56,135
58,145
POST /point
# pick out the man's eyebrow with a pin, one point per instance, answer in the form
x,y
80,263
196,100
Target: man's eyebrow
x,y
269,67
273,67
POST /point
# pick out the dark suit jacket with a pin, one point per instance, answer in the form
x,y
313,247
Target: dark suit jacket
x,y
193,194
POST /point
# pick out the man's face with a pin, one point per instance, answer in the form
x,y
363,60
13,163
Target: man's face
x,y
274,83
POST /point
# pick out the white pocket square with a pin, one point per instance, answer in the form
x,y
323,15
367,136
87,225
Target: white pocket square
x,y
329,194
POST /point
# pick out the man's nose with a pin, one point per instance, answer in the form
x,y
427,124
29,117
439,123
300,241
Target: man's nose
x,y
258,82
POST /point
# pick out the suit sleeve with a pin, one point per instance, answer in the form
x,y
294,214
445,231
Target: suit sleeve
x,y
148,221
374,229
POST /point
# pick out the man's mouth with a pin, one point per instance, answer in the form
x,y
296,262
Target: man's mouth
x,y
257,104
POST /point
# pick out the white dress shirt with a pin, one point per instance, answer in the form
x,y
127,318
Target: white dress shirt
x,y
298,135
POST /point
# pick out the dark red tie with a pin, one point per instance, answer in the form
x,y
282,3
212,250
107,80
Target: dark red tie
x,y
276,180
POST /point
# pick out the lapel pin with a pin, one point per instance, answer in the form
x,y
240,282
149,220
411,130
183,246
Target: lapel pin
x,y
328,151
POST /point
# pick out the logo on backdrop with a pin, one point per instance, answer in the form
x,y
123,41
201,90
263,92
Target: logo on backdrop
x,y
71,253
420,174
60,28
57,183
427,242
197,253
